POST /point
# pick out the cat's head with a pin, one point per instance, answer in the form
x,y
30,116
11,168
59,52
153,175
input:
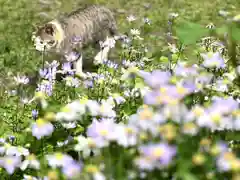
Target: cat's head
x,y
46,37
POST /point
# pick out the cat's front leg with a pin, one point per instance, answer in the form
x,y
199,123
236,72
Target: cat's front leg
x,y
105,48
78,64
101,56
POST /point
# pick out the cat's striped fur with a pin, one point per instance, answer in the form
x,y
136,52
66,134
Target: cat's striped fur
x,y
90,25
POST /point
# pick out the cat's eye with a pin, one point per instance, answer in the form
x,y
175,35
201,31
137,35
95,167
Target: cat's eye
x,y
51,42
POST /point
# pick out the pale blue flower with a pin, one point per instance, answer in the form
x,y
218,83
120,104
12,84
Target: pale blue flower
x,y
162,152
10,163
102,131
157,78
34,114
213,60
72,169
72,56
42,128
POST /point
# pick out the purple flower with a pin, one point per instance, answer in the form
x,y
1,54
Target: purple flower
x,y
227,161
144,163
102,131
2,141
46,87
185,70
147,120
72,169
127,64
34,114
150,97
88,83
157,78
225,106
11,138
162,152
72,56
127,135
213,60
67,67
43,72
10,163
168,94
42,128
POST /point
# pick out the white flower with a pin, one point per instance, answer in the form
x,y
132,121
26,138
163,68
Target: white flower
x,y
98,176
30,161
131,18
106,109
21,79
135,32
69,125
173,15
71,81
93,107
17,151
85,145
27,177
58,160
72,111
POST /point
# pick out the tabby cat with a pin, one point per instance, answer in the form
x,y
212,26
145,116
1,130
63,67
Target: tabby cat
x,y
76,31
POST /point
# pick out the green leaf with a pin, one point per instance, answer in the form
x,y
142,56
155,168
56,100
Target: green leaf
x,y
188,32
189,176
235,33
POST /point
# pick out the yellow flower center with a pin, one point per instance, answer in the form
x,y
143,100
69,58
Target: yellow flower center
x,y
91,143
52,175
198,159
91,169
103,132
163,89
229,156
236,112
210,54
198,111
59,156
9,161
158,152
145,114
129,130
189,126
41,122
181,90
143,136
216,118
235,164
205,142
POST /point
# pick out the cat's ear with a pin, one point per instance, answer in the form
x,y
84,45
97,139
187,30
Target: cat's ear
x,y
49,29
